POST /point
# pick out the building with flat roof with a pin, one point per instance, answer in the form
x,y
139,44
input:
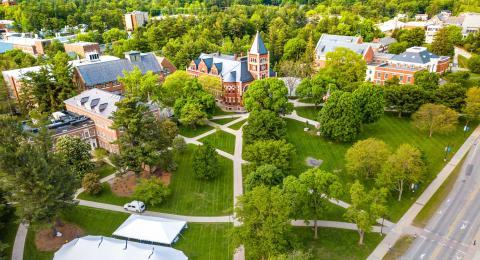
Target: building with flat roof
x,y
135,19
329,42
81,48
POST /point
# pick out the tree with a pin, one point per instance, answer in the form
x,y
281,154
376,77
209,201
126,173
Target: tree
x,y
451,95
195,105
292,71
315,88
445,40
172,88
270,94
75,154
435,118
137,84
366,157
275,152
403,166
365,208
91,183
474,64
212,85
404,98
311,192
179,145
264,125
205,162
344,66
426,80
397,47
414,37
294,49
371,102
472,104
265,216
340,119
266,174
152,191
114,35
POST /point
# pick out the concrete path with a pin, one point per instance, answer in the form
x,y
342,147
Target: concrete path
x,y
295,116
337,224
19,243
297,103
407,219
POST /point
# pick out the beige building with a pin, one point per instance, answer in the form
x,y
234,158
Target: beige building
x,y
81,48
135,19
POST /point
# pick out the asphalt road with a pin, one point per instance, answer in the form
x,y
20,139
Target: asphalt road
x,y
451,232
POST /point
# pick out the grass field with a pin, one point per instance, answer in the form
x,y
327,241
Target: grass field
x,y
238,125
221,140
8,233
394,131
103,169
199,241
223,121
399,249
334,244
308,112
192,132
462,61
190,196
438,197
218,112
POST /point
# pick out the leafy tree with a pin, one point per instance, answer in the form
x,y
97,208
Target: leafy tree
x,y
270,94
315,88
414,37
292,70
172,88
397,47
211,84
435,118
75,154
404,98
195,105
91,183
472,104
460,77
426,80
137,84
205,162
340,119
474,64
179,145
445,39
371,102
451,95
114,35
264,213
365,208
266,174
264,125
294,49
275,152
365,158
152,191
344,66
310,194
403,166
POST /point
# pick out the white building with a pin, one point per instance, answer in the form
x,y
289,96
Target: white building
x,y
135,19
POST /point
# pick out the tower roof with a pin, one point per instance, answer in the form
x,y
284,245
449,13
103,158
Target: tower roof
x,y
258,46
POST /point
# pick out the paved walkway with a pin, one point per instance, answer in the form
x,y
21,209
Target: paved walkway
x,y
297,103
405,222
336,224
295,116
19,243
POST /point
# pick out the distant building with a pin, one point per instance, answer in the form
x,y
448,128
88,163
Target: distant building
x,y
63,123
328,43
391,25
421,17
235,72
406,64
469,22
98,105
9,2
6,26
81,48
135,20
28,44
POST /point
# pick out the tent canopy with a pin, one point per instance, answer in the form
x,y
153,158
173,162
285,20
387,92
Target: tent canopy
x,y
151,229
101,248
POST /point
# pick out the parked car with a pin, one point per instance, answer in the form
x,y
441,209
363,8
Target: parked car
x,y
135,206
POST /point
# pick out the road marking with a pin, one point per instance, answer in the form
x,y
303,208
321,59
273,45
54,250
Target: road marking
x,y
439,212
422,256
463,226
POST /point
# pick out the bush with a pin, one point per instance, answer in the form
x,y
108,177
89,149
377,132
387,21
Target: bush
x,y
474,64
100,153
151,191
205,162
179,144
91,183
267,175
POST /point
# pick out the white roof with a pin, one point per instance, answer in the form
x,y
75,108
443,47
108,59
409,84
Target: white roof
x,y
152,229
106,248
19,73
96,101
472,20
391,25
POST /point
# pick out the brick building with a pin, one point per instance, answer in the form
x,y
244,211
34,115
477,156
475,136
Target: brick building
x,y
235,72
82,48
135,19
328,43
404,65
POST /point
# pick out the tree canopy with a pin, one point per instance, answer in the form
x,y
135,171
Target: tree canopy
x,y
269,94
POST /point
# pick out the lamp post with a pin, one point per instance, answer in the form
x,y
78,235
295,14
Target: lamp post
x,y
381,226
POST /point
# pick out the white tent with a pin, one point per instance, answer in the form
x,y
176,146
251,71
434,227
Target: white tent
x,y
101,248
151,229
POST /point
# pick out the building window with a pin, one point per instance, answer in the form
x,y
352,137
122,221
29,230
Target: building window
x,y
401,77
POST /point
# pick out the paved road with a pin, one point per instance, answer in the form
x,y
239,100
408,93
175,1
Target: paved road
x,y
451,232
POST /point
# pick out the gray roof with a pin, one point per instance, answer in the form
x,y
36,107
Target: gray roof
x,y
230,69
97,73
329,42
385,41
258,46
95,101
415,55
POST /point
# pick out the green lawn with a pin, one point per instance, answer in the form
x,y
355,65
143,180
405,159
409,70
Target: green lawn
x,y
218,112
334,243
190,196
199,241
223,121
103,169
8,233
400,248
238,125
462,61
391,129
308,112
192,132
221,140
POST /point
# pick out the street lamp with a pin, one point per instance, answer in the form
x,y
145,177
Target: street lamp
x,y
381,226
448,148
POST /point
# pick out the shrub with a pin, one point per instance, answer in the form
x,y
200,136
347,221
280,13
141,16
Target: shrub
x,y
205,162
151,191
91,183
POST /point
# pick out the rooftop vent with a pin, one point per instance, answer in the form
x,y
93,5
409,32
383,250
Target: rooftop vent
x,y
94,103
102,107
93,56
84,100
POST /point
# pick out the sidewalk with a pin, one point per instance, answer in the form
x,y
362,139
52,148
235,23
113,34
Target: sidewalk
x,y
413,211
19,243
